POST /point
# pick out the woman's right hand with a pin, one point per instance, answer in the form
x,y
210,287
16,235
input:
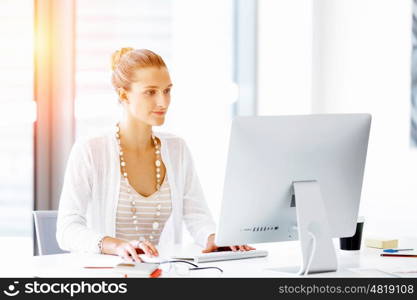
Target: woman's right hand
x,y
130,250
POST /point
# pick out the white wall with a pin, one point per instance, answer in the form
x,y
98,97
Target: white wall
x,y
284,57
362,63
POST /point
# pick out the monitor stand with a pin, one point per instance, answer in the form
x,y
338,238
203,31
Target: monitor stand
x,y
317,249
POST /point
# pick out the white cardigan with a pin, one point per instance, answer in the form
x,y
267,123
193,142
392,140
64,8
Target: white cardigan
x,y
88,203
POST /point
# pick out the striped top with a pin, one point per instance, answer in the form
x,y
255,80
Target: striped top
x,y
146,212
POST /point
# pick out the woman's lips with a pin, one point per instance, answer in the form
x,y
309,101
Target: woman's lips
x,y
159,113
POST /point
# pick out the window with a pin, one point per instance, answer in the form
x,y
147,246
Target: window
x,y
17,115
102,28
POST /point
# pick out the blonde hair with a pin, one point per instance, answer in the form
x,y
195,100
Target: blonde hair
x,y
126,61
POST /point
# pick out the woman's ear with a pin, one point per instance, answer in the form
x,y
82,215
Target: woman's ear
x,y
122,95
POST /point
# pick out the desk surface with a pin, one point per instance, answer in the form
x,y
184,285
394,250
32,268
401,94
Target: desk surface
x,y
364,263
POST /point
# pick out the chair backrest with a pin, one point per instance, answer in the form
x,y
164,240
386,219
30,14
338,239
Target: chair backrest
x,y
45,228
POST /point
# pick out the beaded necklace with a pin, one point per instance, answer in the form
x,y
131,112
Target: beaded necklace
x,y
155,225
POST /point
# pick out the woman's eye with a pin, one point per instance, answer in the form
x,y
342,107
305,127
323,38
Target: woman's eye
x,y
150,92
167,91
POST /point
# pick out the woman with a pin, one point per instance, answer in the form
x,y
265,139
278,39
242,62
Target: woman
x,y
126,191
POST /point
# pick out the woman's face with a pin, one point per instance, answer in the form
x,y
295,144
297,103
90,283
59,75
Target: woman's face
x,y
149,95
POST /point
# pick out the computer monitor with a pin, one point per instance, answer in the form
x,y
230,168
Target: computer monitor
x,y
294,177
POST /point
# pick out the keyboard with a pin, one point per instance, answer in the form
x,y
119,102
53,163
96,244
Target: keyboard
x,y
228,255
208,257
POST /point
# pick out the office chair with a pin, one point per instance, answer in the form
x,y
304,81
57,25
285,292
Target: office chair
x,y
45,228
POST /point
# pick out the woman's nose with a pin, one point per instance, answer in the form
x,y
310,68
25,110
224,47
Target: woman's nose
x,y
162,100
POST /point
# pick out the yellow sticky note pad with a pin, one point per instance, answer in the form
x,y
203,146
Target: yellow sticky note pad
x,y
381,243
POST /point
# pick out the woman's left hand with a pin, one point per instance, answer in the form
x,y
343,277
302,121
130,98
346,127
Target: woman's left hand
x,y
212,247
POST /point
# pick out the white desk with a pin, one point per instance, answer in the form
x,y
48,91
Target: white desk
x,y
351,264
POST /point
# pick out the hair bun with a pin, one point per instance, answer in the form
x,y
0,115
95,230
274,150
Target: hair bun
x,y
117,55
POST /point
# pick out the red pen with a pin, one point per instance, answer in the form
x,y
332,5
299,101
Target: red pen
x,y
156,273
399,255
